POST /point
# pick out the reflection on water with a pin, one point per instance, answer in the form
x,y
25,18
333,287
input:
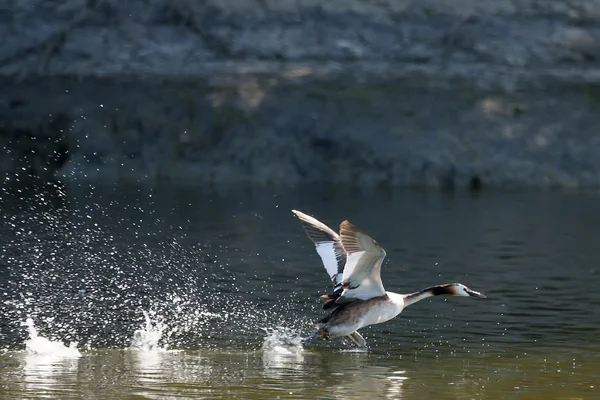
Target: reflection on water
x,y
372,381
329,374
47,372
233,286
149,361
282,353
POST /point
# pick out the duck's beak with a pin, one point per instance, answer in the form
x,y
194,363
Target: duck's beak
x,y
473,293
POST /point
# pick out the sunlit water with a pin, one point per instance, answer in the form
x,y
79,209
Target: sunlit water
x,y
125,292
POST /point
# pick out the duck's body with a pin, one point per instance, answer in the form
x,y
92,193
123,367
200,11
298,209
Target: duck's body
x,y
351,316
353,261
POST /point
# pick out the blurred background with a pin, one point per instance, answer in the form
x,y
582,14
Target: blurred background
x,y
443,93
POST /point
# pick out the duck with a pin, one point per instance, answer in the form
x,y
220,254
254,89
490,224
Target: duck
x,y
353,262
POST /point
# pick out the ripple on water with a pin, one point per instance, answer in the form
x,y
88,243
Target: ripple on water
x,y
214,279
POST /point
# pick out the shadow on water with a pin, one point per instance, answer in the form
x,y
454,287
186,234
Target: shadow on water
x,y
217,285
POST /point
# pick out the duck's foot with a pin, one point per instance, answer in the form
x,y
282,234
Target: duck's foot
x,y
312,337
358,339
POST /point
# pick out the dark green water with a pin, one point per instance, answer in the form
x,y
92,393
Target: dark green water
x,y
233,279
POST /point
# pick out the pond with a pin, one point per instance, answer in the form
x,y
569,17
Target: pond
x,y
164,291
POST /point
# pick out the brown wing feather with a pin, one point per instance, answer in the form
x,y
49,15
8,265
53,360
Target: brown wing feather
x,y
363,266
355,240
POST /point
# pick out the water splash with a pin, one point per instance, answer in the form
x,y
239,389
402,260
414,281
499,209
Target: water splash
x,y
85,265
83,270
282,351
282,340
39,345
148,337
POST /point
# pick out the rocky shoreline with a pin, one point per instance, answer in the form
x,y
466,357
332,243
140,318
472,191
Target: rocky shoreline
x,y
488,94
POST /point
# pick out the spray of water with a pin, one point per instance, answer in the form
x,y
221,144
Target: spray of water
x,y
39,345
282,348
282,340
86,272
147,338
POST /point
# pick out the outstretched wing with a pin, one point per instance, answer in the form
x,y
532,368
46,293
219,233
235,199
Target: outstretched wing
x,y
362,274
328,245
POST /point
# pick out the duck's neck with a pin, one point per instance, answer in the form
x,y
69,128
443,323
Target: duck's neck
x,y
425,293
397,300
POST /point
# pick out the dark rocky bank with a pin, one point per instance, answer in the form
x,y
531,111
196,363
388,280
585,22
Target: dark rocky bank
x,y
441,93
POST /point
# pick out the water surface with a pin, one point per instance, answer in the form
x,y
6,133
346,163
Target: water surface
x,y
230,284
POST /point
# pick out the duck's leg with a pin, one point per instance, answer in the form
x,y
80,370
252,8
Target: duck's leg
x,y
312,337
358,339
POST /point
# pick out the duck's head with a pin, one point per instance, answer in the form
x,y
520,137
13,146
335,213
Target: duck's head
x,y
458,289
